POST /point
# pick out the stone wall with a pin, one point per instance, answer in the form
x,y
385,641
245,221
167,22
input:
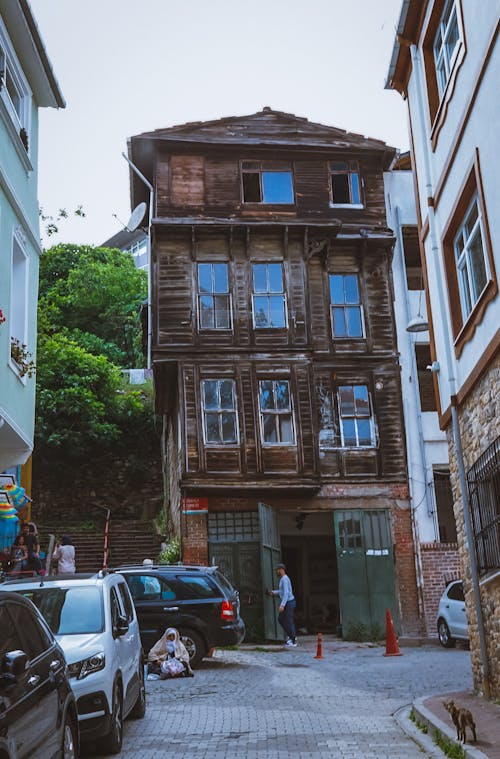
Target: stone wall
x,y
440,565
478,419
72,492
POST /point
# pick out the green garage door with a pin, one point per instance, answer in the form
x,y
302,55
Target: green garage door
x,y
367,582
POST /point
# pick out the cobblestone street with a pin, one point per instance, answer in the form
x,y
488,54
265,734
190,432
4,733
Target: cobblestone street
x,y
284,703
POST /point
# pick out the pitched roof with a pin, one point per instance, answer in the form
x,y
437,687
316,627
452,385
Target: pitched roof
x,y
266,127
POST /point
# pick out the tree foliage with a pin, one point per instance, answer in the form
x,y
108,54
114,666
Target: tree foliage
x,y
89,327
94,291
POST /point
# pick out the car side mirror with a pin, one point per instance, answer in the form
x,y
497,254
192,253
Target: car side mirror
x,y
13,665
121,626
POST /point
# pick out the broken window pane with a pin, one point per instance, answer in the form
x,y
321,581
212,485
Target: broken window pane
x,y
340,188
251,188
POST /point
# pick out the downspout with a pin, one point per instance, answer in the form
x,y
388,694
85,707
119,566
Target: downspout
x,y
150,220
444,316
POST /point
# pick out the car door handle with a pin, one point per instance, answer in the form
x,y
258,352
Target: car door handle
x,y
54,665
170,608
34,680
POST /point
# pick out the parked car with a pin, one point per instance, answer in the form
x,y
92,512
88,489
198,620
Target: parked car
x,y
199,601
94,621
37,705
451,618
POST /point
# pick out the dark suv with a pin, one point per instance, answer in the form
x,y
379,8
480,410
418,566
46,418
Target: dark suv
x,y
37,706
199,601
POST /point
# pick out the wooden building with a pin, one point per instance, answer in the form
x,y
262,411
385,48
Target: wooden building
x,y
275,365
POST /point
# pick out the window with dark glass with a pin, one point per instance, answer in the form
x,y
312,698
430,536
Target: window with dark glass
x,y
344,183
357,427
346,311
483,483
267,182
268,297
425,381
445,43
220,424
214,302
276,414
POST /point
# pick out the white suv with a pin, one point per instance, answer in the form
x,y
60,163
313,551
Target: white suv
x,y
94,621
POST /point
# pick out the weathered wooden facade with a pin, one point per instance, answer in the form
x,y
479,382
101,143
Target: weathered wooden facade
x,y
275,363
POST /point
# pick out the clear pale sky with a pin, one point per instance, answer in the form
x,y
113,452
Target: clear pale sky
x,y
127,67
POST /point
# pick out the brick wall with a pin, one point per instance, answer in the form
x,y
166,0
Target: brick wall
x,y
440,565
194,539
478,420
411,623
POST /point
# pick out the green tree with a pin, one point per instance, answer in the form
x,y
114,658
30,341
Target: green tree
x,y
89,327
83,405
87,291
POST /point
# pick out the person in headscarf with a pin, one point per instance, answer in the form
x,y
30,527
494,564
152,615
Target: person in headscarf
x,y
169,657
65,556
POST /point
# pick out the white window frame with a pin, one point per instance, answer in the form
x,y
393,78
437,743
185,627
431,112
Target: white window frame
x,y
469,295
213,294
352,168
355,417
220,411
443,60
18,118
346,306
277,413
19,284
268,294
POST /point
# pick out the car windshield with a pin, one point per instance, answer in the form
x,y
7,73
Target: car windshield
x,y
69,611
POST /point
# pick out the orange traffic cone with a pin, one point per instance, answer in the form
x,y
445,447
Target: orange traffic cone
x,y
391,642
319,648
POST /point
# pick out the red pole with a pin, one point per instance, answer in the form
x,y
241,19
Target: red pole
x,y
106,534
319,648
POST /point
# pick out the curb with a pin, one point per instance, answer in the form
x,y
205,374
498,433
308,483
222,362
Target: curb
x,y
434,724
425,741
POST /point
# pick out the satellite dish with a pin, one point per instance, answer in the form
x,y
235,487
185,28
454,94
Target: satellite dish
x,y
136,217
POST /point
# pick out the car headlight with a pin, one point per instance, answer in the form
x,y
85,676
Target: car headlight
x,y
81,669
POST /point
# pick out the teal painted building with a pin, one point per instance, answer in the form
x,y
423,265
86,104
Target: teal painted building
x,y
27,83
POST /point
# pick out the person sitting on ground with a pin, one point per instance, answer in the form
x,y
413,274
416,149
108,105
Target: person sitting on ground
x,y
65,556
169,657
19,555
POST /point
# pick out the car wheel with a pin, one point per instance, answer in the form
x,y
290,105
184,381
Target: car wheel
x,y
113,740
139,708
195,646
69,743
444,635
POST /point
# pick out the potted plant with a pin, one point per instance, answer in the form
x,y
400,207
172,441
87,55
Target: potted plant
x,y
21,356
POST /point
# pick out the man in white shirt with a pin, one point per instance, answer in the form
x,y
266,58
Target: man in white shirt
x,y
287,605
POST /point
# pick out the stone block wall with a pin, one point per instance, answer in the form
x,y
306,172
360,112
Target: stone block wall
x,y
479,428
440,565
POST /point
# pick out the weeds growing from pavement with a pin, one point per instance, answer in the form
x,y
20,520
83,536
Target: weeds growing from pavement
x,y
448,746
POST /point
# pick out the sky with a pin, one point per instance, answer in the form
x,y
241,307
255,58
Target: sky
x,y
127,67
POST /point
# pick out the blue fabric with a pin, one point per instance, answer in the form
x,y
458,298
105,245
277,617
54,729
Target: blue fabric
x,y
286,620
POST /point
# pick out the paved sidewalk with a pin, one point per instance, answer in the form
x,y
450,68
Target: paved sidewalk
x,y
430,710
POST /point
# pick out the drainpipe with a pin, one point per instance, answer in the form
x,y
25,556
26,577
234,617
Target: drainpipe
x,y
151,197
444,316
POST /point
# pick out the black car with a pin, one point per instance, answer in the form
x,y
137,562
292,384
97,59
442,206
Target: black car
x,y
37,706
199,601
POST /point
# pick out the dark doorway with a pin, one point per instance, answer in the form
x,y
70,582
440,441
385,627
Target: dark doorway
x,y
308,551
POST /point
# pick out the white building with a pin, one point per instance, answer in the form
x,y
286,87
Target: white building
x,y
427,448
446,63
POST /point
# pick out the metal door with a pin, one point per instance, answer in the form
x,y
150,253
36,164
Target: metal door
x,y
270,556
367,582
